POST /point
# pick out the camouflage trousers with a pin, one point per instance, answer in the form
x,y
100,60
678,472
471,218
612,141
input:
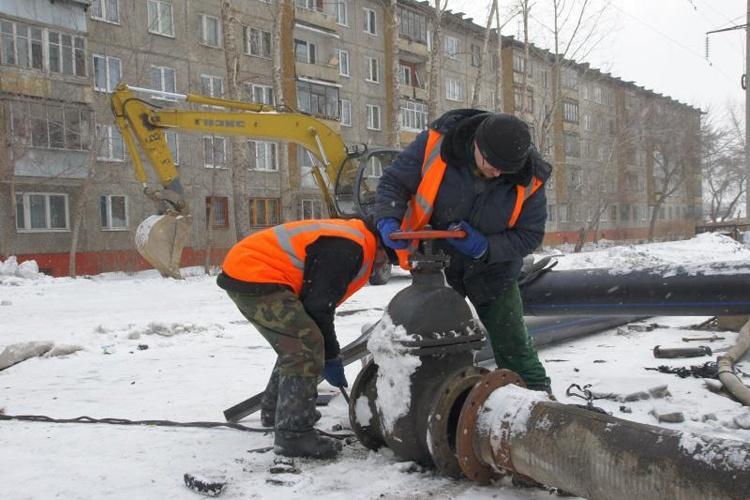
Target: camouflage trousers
x,y
282,320
511,343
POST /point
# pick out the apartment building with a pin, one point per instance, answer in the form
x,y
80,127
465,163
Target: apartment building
x,y
64,160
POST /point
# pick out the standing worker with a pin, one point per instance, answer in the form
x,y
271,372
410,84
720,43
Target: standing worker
x,y
479,172
287,281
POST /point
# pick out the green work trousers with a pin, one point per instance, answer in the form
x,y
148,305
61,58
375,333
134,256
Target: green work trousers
x,y
511,343
282,320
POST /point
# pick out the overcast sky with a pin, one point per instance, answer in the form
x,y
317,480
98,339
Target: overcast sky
x,y
658,44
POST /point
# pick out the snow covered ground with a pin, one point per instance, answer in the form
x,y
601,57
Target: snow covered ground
x,y
155,348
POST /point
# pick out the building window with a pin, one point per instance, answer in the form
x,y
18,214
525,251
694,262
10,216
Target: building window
x,y
404,74
66,54
373,117
562,212
572,145
575,178
372,69
21,45
264,212
42,212
173,143
210,31
374,168
105,10
113,211
306,4
587,121
342,13
451,47
412,25
41,125
476,55
570,78
217,211
346,112
212,86
262,155
160,17
343,62
107,72
518,100
257,42
262,94
311,209
110,143
453,89
214,152
316,99
304,51
163,79
370,22
570,111
413,115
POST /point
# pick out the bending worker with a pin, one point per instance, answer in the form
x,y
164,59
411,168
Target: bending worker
x,y
479,172
287,281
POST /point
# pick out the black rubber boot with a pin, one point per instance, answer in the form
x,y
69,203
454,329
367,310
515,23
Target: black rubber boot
x,y
295,416
270,397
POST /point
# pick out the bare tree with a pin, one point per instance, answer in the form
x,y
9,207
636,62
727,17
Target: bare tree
x,y
391,73
82,198
723,161
483,57
436,60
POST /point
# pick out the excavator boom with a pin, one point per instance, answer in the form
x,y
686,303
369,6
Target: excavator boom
x,y
161,238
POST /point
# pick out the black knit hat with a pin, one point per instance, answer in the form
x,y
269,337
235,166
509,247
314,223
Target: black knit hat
x,y
504,141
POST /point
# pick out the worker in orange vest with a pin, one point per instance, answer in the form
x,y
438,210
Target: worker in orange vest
x,y
479,172
287,281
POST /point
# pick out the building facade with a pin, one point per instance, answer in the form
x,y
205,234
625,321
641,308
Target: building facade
x,y
65,176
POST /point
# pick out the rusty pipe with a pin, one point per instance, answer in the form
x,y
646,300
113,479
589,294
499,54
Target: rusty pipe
x,y
591,454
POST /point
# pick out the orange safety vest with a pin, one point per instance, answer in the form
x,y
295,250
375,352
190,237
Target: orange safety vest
x,y
277,254
420,206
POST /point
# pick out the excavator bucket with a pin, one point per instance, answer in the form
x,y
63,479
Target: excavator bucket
x,y
160,239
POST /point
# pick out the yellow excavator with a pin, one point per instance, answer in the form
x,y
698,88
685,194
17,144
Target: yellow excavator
x,y
346,179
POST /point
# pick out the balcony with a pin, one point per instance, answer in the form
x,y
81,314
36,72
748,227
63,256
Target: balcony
x,y
415,93
315,18
417,48
326,72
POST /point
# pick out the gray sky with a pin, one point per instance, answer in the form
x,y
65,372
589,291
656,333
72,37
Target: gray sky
x,y
658,44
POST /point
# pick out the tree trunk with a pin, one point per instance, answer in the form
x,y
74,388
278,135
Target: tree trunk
x,y
524,76
483,58
498,67
436,62
391,73
582,233
284,89
7,185
80,208
238,164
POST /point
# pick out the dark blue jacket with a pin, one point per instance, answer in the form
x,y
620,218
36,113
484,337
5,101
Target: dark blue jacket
x,y
486,204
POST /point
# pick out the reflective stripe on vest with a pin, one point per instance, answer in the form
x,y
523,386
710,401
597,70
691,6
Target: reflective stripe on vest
x,y
277,255
420,206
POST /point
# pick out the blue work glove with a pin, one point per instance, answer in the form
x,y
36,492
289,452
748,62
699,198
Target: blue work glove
x,y
386,227
473,245
333,373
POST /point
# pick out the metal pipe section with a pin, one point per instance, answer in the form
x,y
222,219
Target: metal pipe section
x,y
716,290
591,454
726,362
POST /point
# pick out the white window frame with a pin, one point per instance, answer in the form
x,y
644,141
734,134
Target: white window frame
x,y
107,225
26,228
343,63
265,152
63,51
345,104
248,35
205,18
316,207
265,90
110,85
107,135
405,75
105,11
162,81
213,140
371,117
453,89
159,28
451,47
369,69
211,80
342,13
311,50
413,114
370,21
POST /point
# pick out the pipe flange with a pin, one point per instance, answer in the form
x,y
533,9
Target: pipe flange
x,y
443,418
369,433
469,454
